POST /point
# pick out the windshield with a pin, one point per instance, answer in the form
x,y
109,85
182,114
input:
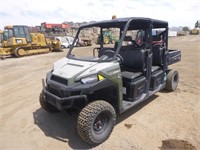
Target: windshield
x,y
102,47
5,35
94,45
19,31
9,32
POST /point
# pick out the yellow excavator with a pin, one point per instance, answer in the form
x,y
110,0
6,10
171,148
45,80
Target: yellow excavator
x,y
18,41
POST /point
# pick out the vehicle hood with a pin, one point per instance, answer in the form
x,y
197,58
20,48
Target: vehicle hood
x,y
70,69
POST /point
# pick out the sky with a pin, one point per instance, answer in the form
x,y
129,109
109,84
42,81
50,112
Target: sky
x,y
34,12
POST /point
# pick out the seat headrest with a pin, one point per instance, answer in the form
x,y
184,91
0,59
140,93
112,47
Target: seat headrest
x,y
127,38
156,38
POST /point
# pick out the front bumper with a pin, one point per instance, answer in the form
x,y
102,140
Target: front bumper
x,y
72,96
65,102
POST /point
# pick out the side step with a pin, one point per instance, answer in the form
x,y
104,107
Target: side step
x,y
128,104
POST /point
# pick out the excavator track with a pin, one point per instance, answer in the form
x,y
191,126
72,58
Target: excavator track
x,y
25,51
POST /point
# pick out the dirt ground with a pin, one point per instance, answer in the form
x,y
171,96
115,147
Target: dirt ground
x,y
165,121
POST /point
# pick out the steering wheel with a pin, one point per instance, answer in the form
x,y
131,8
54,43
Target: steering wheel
x,y
110,53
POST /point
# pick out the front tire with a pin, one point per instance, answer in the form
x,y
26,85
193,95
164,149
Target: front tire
x,y
45,105
172,80
96,122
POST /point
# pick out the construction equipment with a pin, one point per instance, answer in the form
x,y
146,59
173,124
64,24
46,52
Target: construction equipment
x,y
20,42
55,29
55,44
196,29
108,37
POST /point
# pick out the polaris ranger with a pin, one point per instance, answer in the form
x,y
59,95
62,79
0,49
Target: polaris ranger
x,y
107,80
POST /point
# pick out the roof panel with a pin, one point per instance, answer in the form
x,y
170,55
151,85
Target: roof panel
x,y
135,23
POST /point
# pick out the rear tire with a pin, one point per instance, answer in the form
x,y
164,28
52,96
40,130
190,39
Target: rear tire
x,y
45,105
96,122
172,80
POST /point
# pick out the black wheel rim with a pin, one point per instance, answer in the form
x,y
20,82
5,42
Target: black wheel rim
x,y
100,123
175,80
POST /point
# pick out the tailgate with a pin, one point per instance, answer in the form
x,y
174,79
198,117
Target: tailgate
x,y
173,56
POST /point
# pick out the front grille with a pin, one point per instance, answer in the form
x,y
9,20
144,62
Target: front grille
x,y
55,92
59,79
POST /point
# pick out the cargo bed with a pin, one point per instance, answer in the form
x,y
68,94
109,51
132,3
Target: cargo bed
x,y
173,56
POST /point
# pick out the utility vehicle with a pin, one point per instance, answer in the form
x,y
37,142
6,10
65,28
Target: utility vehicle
x,y
105,81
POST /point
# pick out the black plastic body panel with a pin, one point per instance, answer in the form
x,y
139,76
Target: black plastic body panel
x,y
134,89
66,102
64,97
156,79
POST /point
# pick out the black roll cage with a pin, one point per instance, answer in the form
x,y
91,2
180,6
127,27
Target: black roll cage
x,y
125,24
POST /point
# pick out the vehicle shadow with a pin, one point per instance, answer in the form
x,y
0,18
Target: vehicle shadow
x,y
132,111
7,57
164,91
62,126
178,90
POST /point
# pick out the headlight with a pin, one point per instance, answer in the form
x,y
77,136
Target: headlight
x,y
18,41
92,79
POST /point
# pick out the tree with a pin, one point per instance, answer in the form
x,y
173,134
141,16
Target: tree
x,y
185,28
